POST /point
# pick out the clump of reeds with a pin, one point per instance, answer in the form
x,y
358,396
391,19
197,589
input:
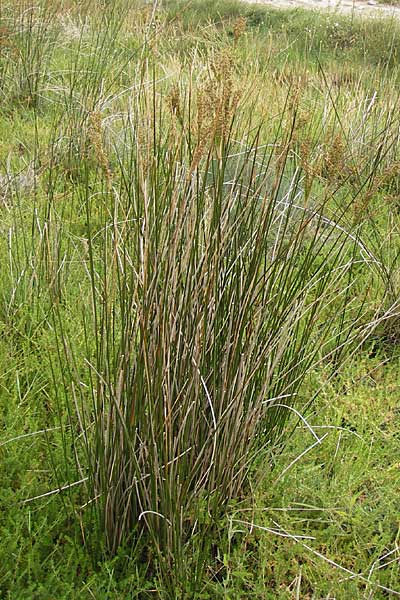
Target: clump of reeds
x,y
27,40
208,304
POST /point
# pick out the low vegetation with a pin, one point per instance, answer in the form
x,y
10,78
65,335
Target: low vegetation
x,y
199,309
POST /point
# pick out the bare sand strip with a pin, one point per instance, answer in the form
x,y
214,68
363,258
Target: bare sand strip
x,y
355,7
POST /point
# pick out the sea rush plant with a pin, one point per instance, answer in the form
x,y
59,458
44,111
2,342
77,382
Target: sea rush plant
x,y
27,40
210,291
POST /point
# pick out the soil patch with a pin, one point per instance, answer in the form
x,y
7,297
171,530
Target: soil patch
x,y
356,7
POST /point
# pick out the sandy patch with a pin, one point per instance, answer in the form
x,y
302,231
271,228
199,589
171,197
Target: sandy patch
x,y
357,7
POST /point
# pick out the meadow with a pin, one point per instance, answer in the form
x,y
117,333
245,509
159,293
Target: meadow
x,y
199,302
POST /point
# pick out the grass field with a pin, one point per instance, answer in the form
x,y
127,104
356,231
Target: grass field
x,y
199,305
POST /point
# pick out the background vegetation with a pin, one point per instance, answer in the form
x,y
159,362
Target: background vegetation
x,y
199,315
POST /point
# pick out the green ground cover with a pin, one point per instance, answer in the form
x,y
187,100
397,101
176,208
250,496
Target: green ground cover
x,y
199,306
